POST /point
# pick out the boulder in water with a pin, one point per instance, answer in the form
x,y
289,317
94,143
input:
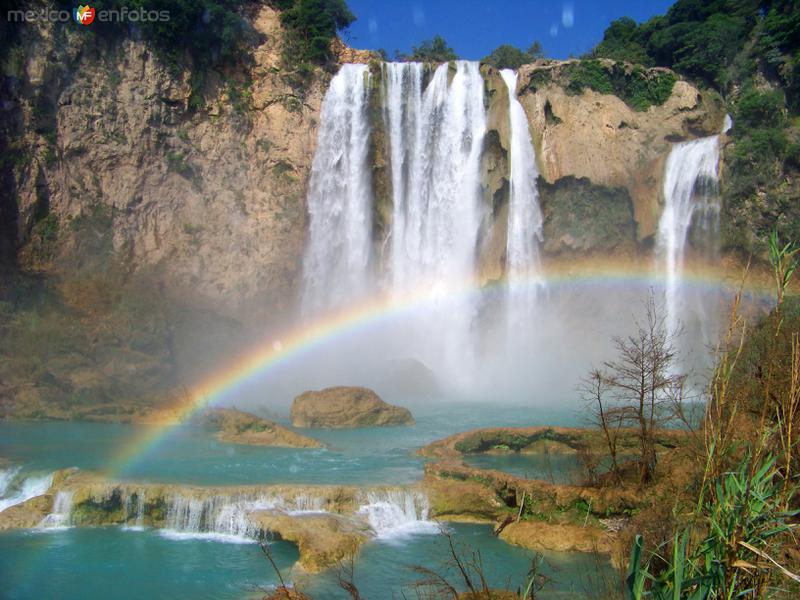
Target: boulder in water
x,y
346,407
237,427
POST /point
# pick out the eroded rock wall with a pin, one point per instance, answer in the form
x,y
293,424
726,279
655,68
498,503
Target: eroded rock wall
x,y
211,198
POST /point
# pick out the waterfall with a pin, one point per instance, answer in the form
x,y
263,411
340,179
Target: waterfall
x,y
337,261
523,267
137,514
435,143
226,518
397,513
61,516
307,504
16,487
221,518
690,200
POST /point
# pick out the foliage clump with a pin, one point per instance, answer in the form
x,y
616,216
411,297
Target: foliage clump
x,y
511,57
639,88
208,32
434,50
311,25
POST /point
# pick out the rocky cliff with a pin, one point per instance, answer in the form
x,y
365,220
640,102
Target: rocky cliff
x,y
209,199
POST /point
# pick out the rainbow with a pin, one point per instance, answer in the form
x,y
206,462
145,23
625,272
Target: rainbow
x,y
295,343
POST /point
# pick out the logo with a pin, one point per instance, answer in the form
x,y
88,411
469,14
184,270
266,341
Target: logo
x,y
83,14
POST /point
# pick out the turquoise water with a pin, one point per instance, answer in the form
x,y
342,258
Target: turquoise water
x,y
75,564
118,563
554,468
101,563
352,456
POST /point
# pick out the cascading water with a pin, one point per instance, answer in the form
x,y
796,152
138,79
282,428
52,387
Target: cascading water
x,y
435,144
135,514
523,267
61,516
222,518
337,261
17,487
690,200
227,517
397,513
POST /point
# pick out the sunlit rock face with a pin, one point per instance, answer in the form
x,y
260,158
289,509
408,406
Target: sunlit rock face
x,y
211,198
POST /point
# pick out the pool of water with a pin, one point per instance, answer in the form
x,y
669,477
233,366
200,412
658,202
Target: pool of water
x,y
554,468
100,563
114,562
352,456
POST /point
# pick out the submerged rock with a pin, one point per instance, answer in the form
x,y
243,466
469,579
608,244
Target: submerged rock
x,y
237,427
343,407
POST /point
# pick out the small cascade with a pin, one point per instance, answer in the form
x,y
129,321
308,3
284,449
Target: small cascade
x,y
135,514
16,487
397,513
308,504
227,518
523,267
337,262
691,202
216,517
61,517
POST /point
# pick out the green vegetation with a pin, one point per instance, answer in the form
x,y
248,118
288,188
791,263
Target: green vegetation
x,y
311,25
639,88
207,32
511,57
435,50
698,39
743,513
760,183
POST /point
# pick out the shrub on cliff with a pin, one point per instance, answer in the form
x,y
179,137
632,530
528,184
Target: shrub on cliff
x,y
432,51
511,57
310,27
209,31
639,88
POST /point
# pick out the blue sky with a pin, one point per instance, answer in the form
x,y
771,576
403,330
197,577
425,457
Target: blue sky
x,y
475,27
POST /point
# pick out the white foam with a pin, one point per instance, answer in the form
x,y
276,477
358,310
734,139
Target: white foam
x,y
61,517
16,488
395,514
207,536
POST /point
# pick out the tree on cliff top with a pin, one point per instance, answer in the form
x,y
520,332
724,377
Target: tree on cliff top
x,y
433,50
311,25
511,57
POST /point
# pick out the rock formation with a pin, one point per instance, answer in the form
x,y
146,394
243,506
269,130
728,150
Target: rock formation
x,y
343,407
237,427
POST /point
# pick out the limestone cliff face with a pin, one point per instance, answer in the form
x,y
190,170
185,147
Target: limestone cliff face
x,y
211,199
